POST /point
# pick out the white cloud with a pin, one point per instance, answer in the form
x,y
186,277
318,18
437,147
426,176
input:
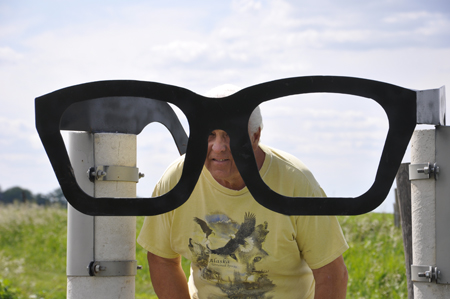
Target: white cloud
x,y
430,27
246,5
17,131
8,56
184,51
407,17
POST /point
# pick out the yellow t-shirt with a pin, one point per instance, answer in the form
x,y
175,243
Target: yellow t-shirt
x,y
238,247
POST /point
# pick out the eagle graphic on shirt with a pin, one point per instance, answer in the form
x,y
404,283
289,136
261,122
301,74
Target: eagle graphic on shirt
x,y
230,254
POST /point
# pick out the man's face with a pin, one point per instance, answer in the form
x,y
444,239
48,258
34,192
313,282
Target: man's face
x,y
219,160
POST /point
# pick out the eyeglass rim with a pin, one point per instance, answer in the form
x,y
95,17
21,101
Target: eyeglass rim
x,y
399,134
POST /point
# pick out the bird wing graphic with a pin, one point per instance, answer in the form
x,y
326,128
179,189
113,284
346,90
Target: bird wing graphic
x,y
204,226
228,249
247,227
244,231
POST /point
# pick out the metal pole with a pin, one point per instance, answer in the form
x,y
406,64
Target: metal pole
x,y
423,207
110,240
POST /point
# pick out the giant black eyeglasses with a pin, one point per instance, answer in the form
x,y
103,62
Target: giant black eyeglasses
x,y
233,113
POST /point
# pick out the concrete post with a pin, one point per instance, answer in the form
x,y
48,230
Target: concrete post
x,y
423,214
114,238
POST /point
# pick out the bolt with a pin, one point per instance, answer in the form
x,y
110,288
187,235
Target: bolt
x,y
141,175
425,170
100,174
99,268
426,274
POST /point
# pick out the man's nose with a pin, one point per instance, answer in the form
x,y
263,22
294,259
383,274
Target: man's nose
x,y
219,144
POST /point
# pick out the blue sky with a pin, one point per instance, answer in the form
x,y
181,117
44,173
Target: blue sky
x,y
48,45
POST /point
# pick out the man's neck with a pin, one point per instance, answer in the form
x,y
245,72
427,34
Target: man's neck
x,y
260,156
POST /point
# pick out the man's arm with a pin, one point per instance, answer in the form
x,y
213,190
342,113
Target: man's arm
x,y
167,276
331,280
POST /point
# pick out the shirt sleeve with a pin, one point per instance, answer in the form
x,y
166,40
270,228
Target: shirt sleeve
x,y
320,240
155,235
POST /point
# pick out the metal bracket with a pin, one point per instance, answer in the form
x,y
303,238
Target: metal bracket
x,y
113,268
114,173
422,171
424,273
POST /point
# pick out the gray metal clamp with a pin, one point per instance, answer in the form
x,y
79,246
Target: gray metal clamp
x,y
113,268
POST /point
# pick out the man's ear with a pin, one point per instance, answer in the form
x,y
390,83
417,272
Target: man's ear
x,y
255,137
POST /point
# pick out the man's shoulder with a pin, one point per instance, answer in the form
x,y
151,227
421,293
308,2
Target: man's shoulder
x,y
290,169
175,166
284,159
172,174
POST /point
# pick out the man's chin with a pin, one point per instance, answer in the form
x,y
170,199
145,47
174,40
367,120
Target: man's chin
x,y
219,176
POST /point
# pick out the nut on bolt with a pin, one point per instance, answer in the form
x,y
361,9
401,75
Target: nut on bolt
x,y
100,174
99,268
94,174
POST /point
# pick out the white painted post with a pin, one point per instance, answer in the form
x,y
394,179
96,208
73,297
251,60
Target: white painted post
x,y
423,214
114,238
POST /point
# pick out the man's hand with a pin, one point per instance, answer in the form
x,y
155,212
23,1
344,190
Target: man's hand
x,y
331,280
168,278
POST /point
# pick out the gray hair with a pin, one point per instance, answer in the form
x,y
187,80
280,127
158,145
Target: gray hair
x,y
255,122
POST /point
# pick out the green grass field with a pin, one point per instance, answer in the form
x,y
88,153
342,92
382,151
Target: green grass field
x,y
33,255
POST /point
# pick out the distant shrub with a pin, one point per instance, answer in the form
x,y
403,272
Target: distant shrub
x,y
20,195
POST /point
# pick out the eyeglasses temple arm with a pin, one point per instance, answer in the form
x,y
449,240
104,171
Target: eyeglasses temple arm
x,y
431,106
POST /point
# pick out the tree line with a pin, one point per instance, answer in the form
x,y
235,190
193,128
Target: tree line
x,y
20,195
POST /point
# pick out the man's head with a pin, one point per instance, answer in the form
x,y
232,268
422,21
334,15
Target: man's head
x,y
219,160
255,122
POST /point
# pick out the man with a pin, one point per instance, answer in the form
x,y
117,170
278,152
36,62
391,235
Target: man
x,y
238,248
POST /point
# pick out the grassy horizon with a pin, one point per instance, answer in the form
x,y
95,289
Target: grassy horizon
x,y
33,254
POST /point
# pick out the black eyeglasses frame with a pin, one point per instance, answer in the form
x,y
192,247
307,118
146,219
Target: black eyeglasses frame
x,y
230,114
